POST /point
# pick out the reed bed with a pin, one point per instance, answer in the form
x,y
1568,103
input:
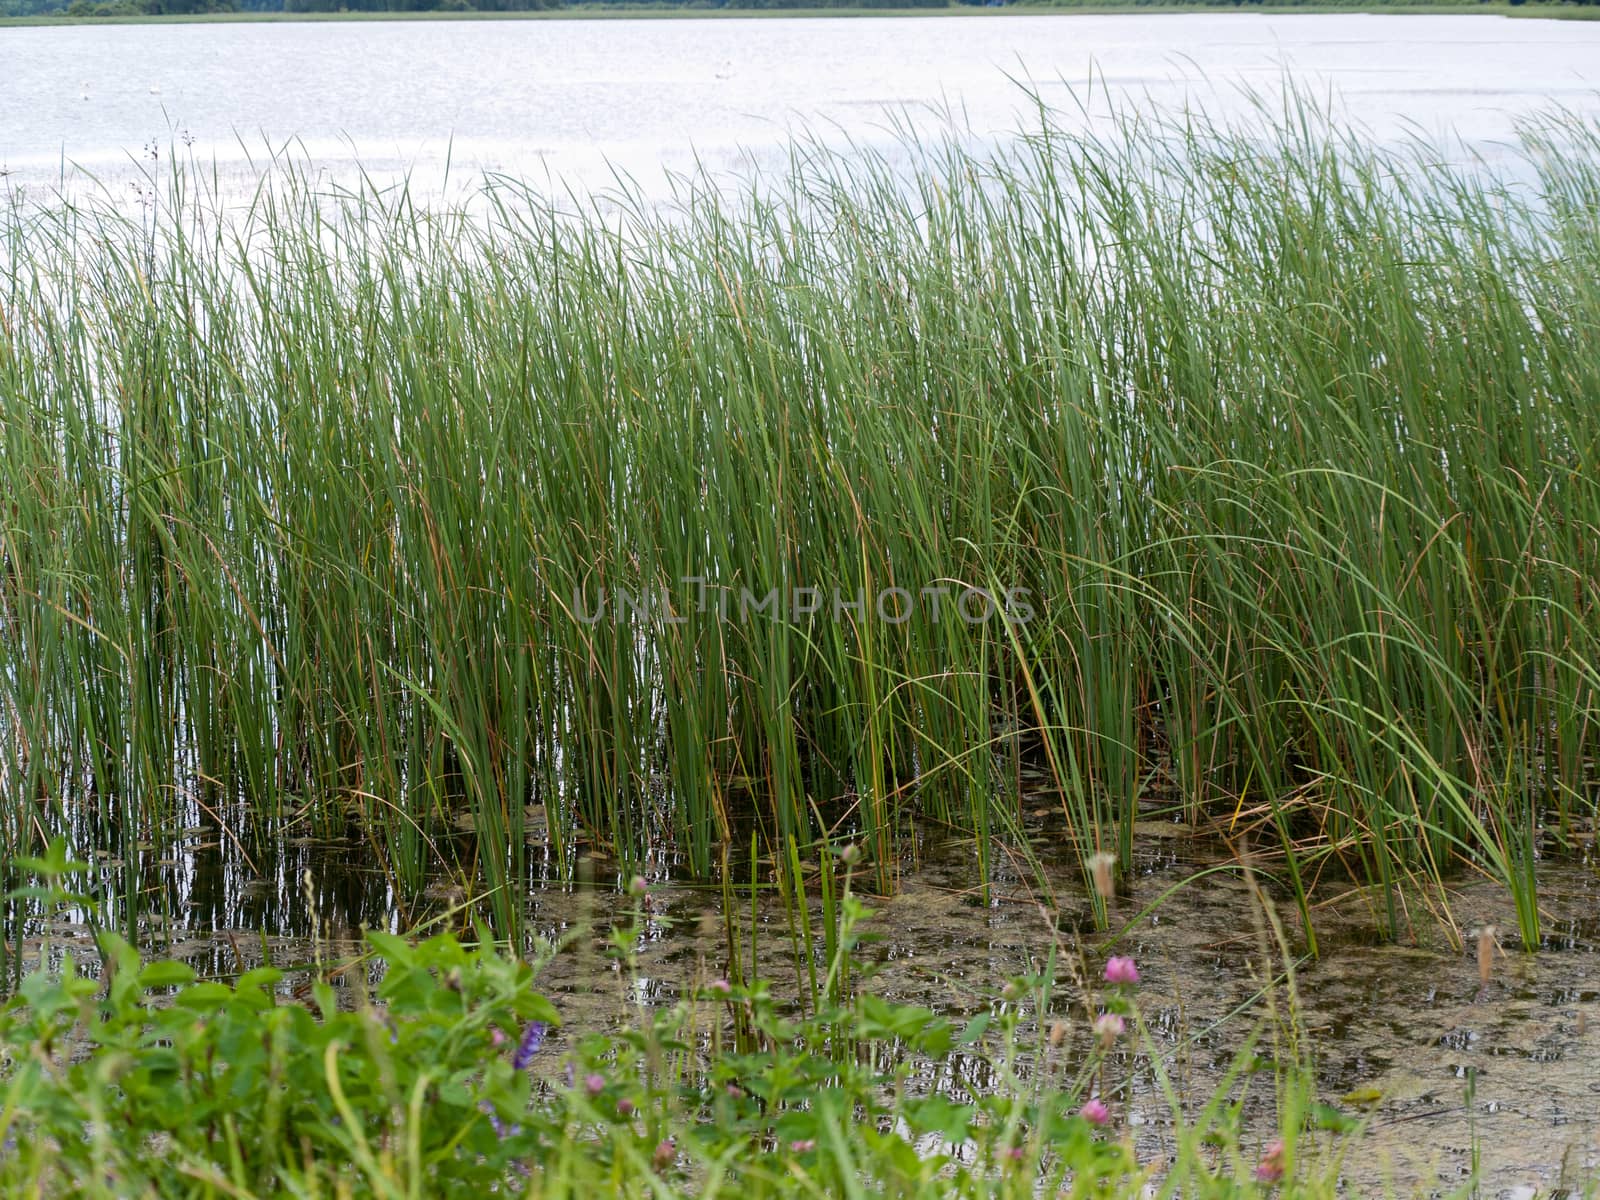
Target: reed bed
x,y
1257,462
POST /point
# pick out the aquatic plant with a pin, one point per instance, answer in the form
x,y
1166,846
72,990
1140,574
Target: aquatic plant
x,y
1245,471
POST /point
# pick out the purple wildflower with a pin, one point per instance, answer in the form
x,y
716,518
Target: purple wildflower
x,y
501,1129
532,1039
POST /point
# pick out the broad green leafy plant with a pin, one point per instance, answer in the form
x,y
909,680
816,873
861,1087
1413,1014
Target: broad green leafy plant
x,y
149,1082
151,1078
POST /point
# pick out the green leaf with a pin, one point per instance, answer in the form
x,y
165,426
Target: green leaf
x,y
531,1006
395,950
166,974
30,892
55,862
1326,1116
940,1115
260,977
935,1038
204,997
458,1090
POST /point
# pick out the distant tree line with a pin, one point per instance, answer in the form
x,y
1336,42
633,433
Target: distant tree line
x,y
110,8
769,4
324,6
200,7
117,8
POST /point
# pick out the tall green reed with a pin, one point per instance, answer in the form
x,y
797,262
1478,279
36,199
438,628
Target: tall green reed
x,y
334,512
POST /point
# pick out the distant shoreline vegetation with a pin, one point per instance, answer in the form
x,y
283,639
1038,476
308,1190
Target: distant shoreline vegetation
x,y
52,11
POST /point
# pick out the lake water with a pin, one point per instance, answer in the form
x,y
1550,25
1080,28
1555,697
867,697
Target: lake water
x,y
570,100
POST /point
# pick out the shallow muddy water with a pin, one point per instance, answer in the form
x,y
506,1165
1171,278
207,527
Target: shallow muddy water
x,y
1511,1071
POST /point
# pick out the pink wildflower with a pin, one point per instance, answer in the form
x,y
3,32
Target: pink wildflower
x,y
1121,970
1108,1027
1270,1168
1095,1112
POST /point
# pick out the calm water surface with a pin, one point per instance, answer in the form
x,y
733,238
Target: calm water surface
x,y
568,100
